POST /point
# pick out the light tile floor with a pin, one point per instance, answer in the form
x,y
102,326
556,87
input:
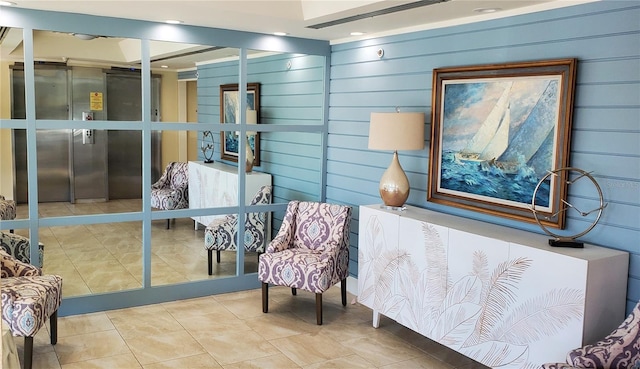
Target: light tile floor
x,y
97,258
231,331
219,331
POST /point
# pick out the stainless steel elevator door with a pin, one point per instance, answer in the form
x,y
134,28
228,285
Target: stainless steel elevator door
x,y
124,102
53,146
89,156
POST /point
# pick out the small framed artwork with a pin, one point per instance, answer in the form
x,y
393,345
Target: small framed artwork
x,y
498,130
229,111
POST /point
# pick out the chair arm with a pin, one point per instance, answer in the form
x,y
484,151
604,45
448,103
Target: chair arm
x,y
12,267
284,238
225,225
18,247
162,181
281,242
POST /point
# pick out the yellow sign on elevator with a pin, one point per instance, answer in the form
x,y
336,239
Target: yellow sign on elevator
x,y
95,99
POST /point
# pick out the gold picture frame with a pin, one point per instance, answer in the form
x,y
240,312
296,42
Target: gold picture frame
x,y
229,110
496,131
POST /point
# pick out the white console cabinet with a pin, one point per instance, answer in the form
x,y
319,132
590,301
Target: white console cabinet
x,y
500,296
216,185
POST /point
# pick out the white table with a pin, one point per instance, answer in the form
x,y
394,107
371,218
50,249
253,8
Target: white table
x,y
216,185
445,277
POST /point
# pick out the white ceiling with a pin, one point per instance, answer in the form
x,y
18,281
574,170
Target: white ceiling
x,y
291,16
294,16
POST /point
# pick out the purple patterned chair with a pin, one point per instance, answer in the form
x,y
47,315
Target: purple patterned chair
x,y
28,300
171,191
310,252
618,350
7,209
222,233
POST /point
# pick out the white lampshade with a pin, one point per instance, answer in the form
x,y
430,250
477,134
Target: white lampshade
x,y
251,118
396,131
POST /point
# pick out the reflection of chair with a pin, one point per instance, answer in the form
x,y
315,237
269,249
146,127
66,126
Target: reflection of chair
x,y
7,209
18,247
618,350
171,191
28,298
221,234
310,251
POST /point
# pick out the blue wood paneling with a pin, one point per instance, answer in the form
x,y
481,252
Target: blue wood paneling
x,y
603,36
287,96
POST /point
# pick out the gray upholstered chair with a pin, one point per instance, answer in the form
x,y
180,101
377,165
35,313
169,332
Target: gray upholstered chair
x,y
222,233
171,191
310,252
29,298
618,350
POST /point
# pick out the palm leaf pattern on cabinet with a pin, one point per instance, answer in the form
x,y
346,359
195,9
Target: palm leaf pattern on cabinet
x,y
477,314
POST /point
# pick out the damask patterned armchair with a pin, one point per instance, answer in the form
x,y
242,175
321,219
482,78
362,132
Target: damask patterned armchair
x,y
310,252
18,247
29,298
171,191
221,234
618,350
7,209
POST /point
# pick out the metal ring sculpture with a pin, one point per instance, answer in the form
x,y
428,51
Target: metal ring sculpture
x,y
207,148
571,238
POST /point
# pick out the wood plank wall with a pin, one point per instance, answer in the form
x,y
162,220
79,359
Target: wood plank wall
x,y
604,37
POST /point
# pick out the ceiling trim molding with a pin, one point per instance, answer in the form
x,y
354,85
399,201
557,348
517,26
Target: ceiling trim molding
x,y
375,13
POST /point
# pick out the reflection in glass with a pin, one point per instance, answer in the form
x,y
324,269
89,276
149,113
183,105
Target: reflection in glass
x,y
94,258
221,240
222,234
80,80
177,254
13,151
13,84
17,244
12,56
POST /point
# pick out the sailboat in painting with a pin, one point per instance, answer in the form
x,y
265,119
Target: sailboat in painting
x,y
492,139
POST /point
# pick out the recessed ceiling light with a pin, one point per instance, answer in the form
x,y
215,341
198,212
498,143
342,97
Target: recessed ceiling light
x,y
280,33
487,10
173,21
84,36
7,3
164,66
357,33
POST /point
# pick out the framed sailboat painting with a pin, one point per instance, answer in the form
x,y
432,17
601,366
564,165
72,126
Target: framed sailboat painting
x,y
496,131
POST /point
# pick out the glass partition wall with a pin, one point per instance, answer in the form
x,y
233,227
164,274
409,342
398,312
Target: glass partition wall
x,y
129,98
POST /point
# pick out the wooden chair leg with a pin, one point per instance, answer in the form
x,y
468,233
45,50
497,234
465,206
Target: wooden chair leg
x,y
218,256
265,297
294,291
28,352
319,308
210,257
343,291
53,327
168,223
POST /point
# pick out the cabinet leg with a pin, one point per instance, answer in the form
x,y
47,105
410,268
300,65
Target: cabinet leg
x,y
376,319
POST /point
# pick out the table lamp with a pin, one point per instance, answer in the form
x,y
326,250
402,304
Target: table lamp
x,y
251,118
395,131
